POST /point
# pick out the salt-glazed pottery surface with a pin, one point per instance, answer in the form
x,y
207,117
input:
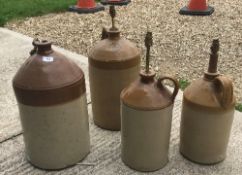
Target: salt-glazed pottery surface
x,y
114,63
51,95
207,115
146,122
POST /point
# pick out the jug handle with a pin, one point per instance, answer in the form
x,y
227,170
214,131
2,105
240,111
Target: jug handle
x,y
224,87
175,82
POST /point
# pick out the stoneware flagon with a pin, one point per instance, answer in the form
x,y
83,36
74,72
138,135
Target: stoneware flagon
x,y
51,95
207,115
146,120
114,63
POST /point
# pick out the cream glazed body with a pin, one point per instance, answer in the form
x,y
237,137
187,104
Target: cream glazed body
x,y
145,141
106,94
58,136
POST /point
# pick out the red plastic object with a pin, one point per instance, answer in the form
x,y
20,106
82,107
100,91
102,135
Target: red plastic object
x,y
86,6
197,7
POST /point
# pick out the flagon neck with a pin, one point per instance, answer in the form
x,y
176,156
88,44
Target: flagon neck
x,y
113,34
147,77
43,47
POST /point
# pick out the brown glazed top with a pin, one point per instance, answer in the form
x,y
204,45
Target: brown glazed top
x,y
213,90
148,94
114,53
48,78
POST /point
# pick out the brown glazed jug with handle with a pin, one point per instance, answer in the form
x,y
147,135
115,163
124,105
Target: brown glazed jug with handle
x,y
114,63
207,115
51,94
146,115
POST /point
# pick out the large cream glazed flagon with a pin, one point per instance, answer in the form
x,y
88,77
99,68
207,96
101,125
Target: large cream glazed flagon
x,y
51,95
146,108
114,63
207,115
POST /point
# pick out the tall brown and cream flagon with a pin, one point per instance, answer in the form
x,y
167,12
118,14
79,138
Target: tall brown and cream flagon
x,y
146,115
207,115
51,95
113,64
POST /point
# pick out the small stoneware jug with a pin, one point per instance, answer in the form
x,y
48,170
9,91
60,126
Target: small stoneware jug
x,y
114,63
207,115
51,95
146,119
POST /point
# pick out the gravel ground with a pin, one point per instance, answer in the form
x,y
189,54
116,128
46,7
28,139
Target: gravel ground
x,y
181,43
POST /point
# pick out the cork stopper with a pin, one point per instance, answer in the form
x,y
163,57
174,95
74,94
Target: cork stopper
x,y
213,61
214,57
113,33
148,45
112,13
147,74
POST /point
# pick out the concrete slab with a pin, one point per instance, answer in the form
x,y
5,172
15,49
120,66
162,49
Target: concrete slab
x,y
104,158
